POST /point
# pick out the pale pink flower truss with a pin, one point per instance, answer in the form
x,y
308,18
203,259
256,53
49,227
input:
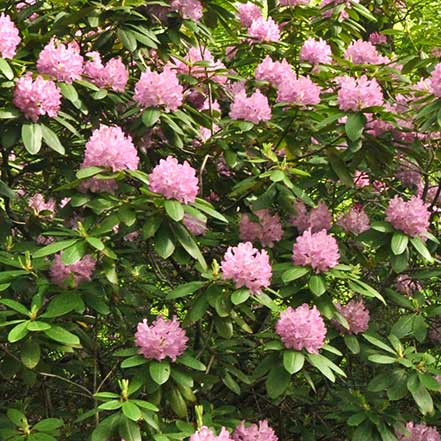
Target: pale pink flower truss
x,y
406,285
205,434
301,91
37,97
361,179
247,13
411,217
293,2
60,61
76,273
268,230
9,37
316,219
159,89
163,338
247,266
364,52
317,250
355,221
356,315
316,51
189,9
435,81
275,72
302,328
39,204
254,108
357,94
264,31
409,175
196,226
419,432
174,181
377,38
256,432
112,75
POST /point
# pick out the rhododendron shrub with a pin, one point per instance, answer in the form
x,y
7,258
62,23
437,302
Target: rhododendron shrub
x,y
220,220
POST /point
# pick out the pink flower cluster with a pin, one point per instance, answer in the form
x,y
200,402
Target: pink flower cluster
x,y
112,75
264,31
316,51
293,2
60,61
196,226
316,219
419,432
38,204
174,181
435,81
268,230
9,37
356,315
247,266
355,221
301,328
411,217
406,285
361,179
409,175
248,12
74,274
357,94
163,338
159,89
254,108
377,38
37,97
256,432
275,72
317,250
364,52
205,434
189,9
301,91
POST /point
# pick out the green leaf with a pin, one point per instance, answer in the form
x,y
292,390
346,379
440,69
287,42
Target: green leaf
x,y
191,362
160,371
382,359
240,296
354,126
16,306
321,363
294,274
317,285
382,226
52,140
164,245
207,208
54,248
352,343
420,328
340,169
127,39
177,403
150,117
38,326
88,172
30,354
420,246
129,430
18,332
48,425
365,289
293,361
420,394
5,190
174,209
18,418
185,290
399,243
63,304
189,244
107,427
61,335
135,360
145,405
5,69
277,381
69,92
74,253
95,243
231,383
32,135
131,411
110,405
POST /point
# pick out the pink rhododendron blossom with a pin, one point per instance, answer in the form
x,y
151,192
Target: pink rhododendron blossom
x,y
247,13
355,221
377,38
411,217
357,94
247,266
112,75
293,2
264,30
256,432
39,204
317,250
361,179
163,338
174,181
254,108
275,72
74,274
9,37
196,226
189,9
435,81
302,328
364,52
406,285
44,240
60,61
159,89
419,432
37,97
316,219
316,51
301,91
409,175
356,315
131,237
205,434
268,230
